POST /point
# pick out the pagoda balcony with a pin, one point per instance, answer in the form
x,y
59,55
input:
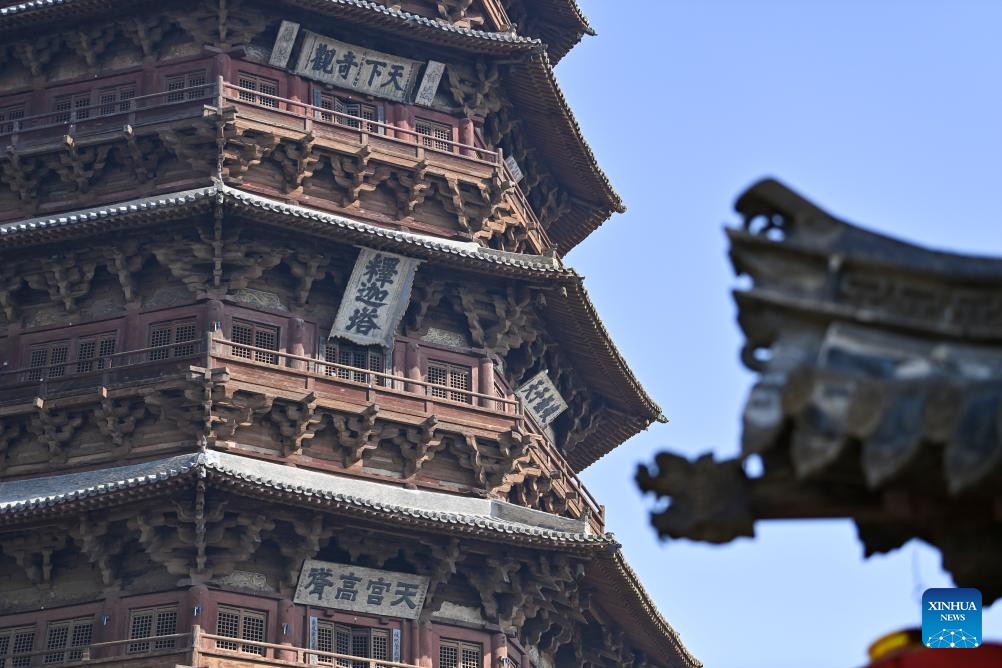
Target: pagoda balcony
x,y
197,648
281,119
279,376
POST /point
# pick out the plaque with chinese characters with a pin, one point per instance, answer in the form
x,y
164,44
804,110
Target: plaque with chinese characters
x,y
376,298
541,399
356,68
357,589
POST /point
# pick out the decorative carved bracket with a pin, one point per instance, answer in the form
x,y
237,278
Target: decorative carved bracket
x,y
351,174
204,542
223,23
298,161
418,445
36,54
312,535
117,419
357,433
147,32
66,278
33,552
79,166
297,422
54,428
476,88
90,44
23,174
10,430
101,546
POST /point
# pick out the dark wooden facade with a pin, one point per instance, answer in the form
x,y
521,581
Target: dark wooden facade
x,y
179,219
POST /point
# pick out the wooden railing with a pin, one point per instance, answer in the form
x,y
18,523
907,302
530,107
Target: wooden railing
x,y
197,648
273,368
71,377
234,94
91,119
116,116
358,375
547,454
121,652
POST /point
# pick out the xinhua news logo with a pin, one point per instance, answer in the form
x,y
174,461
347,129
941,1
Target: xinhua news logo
x,y
951,618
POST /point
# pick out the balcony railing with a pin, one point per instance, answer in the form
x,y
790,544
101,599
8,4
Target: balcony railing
x,y
353,132
197,648
110,116
72,377
336,382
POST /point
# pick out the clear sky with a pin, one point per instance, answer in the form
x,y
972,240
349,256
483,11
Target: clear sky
x,y
886,112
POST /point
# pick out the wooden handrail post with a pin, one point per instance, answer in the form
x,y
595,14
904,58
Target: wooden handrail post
x,y
196,644
219,93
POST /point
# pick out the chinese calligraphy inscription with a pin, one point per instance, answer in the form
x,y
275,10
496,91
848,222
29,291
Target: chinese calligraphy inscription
x,y
429,83
541,399
283,44
356,68
376,298
347,587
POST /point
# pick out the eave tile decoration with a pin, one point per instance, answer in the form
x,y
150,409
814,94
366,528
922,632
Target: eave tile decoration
x,y
878,398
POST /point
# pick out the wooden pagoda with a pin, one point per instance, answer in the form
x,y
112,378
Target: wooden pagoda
x,y
293,371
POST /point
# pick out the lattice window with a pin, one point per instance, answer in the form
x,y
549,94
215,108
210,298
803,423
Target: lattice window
x,y
16,641
370,358
189,85
71,108
48,360
92,353
242,624
434,135
357,641
173,338
73,633
116,99
9,116
257,335
456,381
457,654
344,111
151,623
257,90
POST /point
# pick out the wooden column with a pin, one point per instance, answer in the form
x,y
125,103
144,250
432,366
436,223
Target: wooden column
x,y
213,315
287,631
499,650
403,121
425,656
412,366
414,632
106,631
467,135
485,383
295,344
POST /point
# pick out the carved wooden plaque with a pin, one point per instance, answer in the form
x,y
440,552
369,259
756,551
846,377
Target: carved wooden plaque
x,y
376,298
283,44
356,68
429,83
365,590
541,398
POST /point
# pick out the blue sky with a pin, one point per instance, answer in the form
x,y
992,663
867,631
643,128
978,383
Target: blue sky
x,y
887,113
